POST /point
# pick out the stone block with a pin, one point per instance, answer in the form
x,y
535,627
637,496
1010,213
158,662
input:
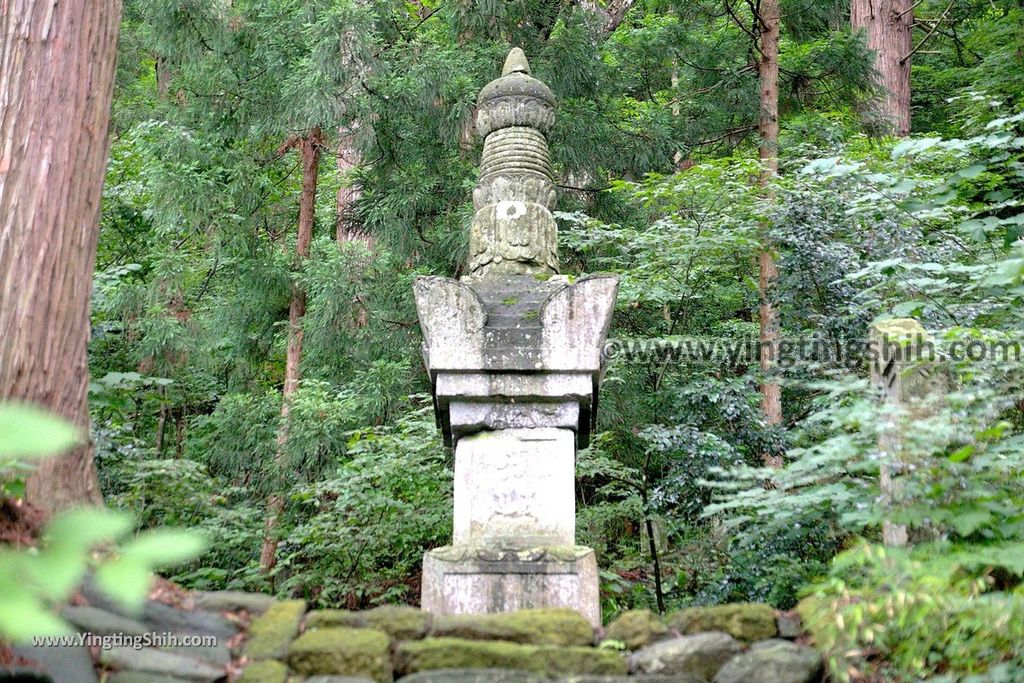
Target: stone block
x,y
474,676
515,488
545,626
271,633
481,579
398,621
449,653
265,671
342,651
636,628
101,622
748,621
773,661
148,660
700,655
230,601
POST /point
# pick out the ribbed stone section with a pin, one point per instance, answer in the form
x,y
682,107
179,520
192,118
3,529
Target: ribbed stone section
x,y
513,231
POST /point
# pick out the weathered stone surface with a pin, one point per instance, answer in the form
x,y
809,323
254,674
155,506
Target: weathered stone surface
x,y
773,661
161,617
636,628
789,625
546,660
218,655
61,664
271,633
229,601
481,579
474,676
514,487
398,621
747,621
144,677
153,661
101,622
265,671
700,655
551,626
576,320
337,679
636,678
343,651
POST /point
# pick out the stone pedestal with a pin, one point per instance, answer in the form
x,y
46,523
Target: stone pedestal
x,y
467,579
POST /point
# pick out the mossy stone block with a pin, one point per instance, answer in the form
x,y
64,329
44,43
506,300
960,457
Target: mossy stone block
x,y
343,651
544,626
546,660
747,621
636,628
271,633
398,621
265,671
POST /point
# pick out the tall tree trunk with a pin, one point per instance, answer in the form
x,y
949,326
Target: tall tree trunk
x,y
56,79
348,192
309,150
888,26
768,127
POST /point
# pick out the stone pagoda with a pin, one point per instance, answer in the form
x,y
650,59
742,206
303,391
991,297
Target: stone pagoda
x,y
514,355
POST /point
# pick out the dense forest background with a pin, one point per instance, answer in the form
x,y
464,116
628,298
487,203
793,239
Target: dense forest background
x,y
280,172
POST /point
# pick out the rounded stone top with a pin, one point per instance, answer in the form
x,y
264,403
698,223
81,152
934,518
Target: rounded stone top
x,y
516,98
515,81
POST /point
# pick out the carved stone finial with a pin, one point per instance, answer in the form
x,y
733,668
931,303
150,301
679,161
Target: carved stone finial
x,y
516,63
513,231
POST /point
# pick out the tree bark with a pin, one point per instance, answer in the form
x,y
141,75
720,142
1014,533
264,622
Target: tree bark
x,y
57,64
348,192
888,26
309,150
768,128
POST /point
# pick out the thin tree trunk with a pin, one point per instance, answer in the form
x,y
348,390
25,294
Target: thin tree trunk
x,y
309,151
161,422
56,78
768,127
888,26
179,433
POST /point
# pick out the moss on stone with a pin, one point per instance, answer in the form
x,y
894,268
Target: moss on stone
x,y
747,621
398,621
342,651
265,671
546,660
546,626
271,633
636,628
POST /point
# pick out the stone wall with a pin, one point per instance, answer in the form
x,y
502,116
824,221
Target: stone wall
x,y
743,643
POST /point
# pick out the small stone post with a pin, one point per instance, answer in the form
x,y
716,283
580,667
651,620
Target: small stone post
x,y
514,355
902,370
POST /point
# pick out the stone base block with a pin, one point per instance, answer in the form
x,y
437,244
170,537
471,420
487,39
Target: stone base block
x,y
465,579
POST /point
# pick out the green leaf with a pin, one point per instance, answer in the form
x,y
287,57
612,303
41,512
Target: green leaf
x,y
23,616
967,523
27,432
85,527
163,547
961,454
126,580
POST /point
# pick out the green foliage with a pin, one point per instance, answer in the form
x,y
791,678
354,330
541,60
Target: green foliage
x,y
363,531
34,580
939,612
